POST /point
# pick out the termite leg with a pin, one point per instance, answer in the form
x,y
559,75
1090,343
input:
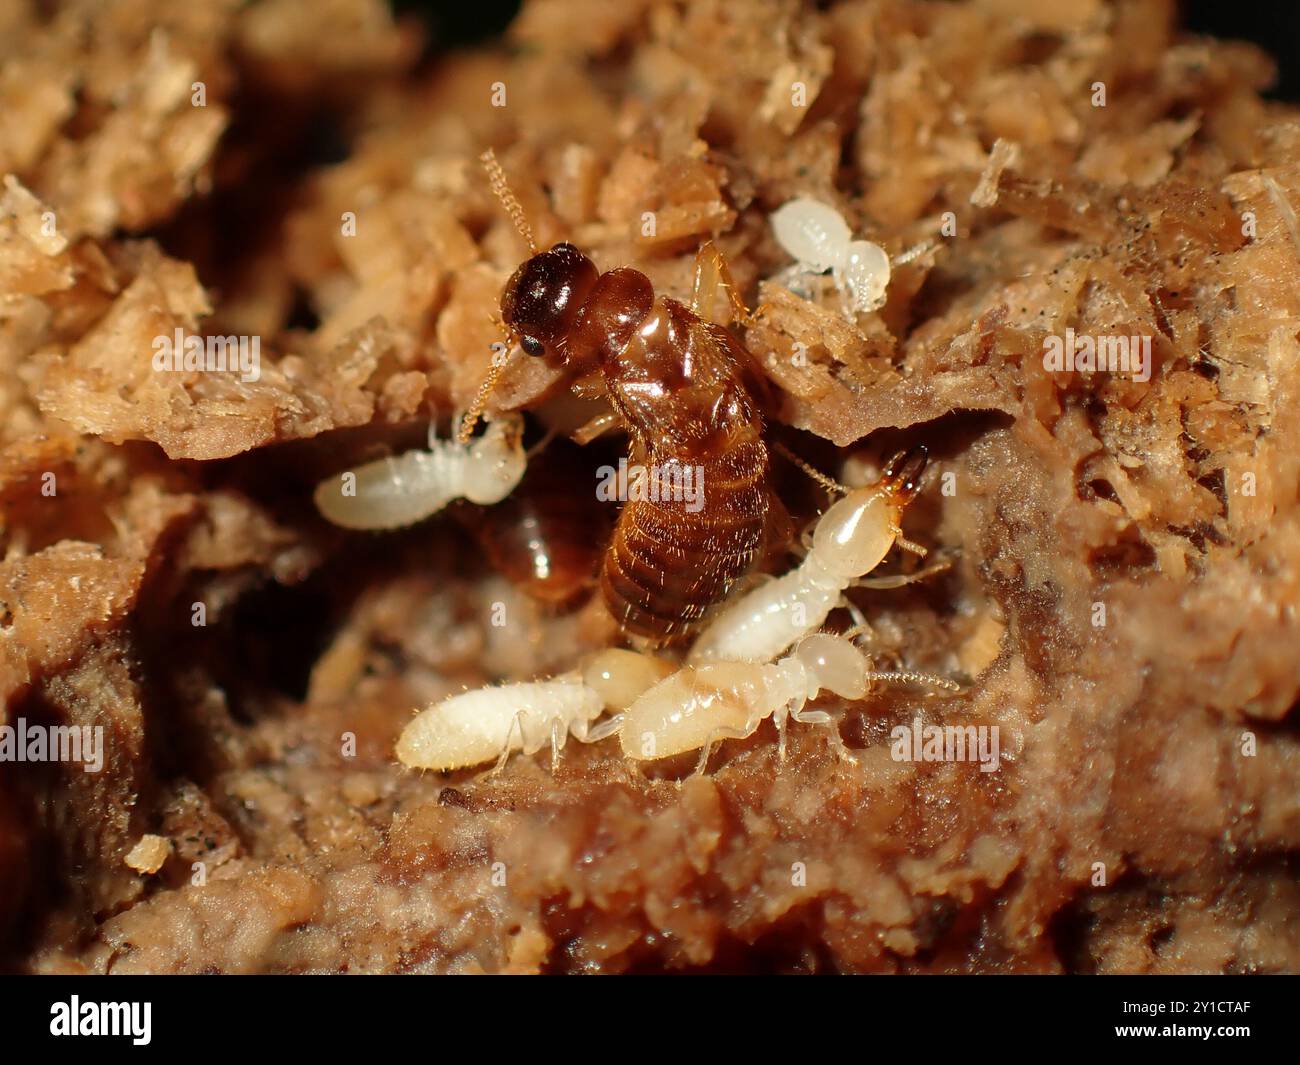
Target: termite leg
x,y
795,278
821,717
711,274
600,424
540,446
722,732
703,759
856,632
839,746
899,580
861,627
801,546
605,729
557,741
847,310
515,722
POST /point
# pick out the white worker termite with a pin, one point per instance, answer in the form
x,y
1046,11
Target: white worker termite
x,y
402,489
850,539
477,726
817,237
697,706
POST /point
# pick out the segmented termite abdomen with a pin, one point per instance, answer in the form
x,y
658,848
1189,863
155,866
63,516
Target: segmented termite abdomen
x,y
678,383
666,566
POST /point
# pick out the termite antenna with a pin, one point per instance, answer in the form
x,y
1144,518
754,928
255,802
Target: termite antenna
x,y
910,545
508,200
475,411
914,252
908,676
829,483
510,203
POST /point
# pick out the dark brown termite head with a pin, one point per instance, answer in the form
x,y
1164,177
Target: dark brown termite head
x,y
541,301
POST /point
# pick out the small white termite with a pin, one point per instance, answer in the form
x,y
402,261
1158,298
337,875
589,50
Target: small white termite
x,y
850,540
477,726
699,705
818,238
402,489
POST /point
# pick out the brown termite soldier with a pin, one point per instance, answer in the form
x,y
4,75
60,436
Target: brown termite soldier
x,y
677,382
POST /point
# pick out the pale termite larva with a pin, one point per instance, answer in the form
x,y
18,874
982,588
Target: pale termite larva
x,y
477,726
818,238
699,705
849,541
402,489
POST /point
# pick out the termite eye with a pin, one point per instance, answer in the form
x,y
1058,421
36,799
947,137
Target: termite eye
x,y
532,346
